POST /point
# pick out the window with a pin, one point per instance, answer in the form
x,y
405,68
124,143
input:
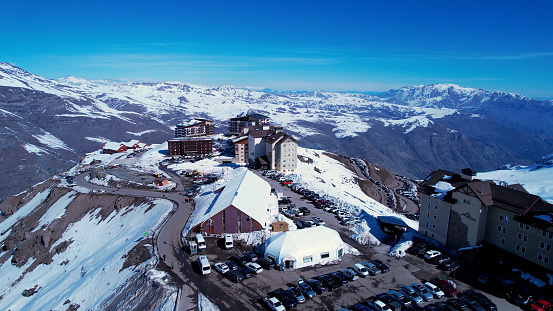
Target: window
x,y
522,237
521,249
427,224
466,201
435,207
325,255
545,246
499,228
524,226
503,218
307,259
545,259
427,215
434,216
540,257
340,252
433,226
505,230
502,241
547,234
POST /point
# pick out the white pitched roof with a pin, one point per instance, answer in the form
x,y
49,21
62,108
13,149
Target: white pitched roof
x,y
246,191
131,143
112,146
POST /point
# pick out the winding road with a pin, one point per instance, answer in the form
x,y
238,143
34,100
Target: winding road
x,y
169,242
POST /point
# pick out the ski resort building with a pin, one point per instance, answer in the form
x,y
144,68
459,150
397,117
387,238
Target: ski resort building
x,y
238,124
190,146
460,211
240,146
269,147
244,204
195,128
304,248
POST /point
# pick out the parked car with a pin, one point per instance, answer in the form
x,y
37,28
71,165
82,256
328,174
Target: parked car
x,y
361,270
317,286
273,303
297,294
411,294
399,297
246,273
380,265
339,277
471,302
328,282
436,260
221,267
524,299
239,259
422,291
350,274
234,276
445,306
541,305
390,301
254,267
361,307
265,263
449,265
250,256
305,210
318,221
434,290
377,305
458,304
371,268
285,297
431,254
305,288
445,286
232,265
482,299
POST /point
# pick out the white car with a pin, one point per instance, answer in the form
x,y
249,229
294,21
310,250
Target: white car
x,y
221,267
431,254
274,304
436,292
254,267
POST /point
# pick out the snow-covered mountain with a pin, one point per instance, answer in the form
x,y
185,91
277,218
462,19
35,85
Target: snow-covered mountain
x,y
46,124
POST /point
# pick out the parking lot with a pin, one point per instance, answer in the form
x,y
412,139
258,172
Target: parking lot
x,y
247,295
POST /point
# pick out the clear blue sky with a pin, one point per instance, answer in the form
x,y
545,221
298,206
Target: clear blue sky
x,y
288,45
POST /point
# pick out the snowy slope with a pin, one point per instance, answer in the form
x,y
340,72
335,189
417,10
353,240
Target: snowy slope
x,y
90,268
536,178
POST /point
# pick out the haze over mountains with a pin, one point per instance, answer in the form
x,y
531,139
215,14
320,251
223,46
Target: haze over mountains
x,y
47,125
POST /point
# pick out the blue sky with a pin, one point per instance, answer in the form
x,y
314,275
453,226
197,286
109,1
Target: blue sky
x,y
288,45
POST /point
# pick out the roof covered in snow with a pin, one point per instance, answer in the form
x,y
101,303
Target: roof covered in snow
x,y
112,146
246,191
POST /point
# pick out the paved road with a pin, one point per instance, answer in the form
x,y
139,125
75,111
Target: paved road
x,y
169,243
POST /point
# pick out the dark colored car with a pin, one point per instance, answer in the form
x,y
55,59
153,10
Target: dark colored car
x,y
380,265
482,300
232,265
339,277
445,306
444,285
390,302
246,273
250,256
449,265
239,259
328,282
471,302
317,286
458,304
524,299
306,290
234,276
438,259
419,249
415,307
361,307
305,210
298,295
288,300
265,263
300,224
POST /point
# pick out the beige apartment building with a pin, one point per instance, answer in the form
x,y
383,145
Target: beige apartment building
x,y
476,211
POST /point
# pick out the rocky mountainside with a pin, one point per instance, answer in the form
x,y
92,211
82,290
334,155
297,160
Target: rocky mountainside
x,y
46,125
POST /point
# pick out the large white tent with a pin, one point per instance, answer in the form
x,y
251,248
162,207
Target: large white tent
x,y
305,247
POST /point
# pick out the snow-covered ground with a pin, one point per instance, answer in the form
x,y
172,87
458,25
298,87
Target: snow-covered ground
x,y
89,269
535,179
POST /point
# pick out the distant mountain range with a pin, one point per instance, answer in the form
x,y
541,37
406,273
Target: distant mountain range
x,y
46,125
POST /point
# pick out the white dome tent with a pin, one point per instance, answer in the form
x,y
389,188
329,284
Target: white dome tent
x,y
305,247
